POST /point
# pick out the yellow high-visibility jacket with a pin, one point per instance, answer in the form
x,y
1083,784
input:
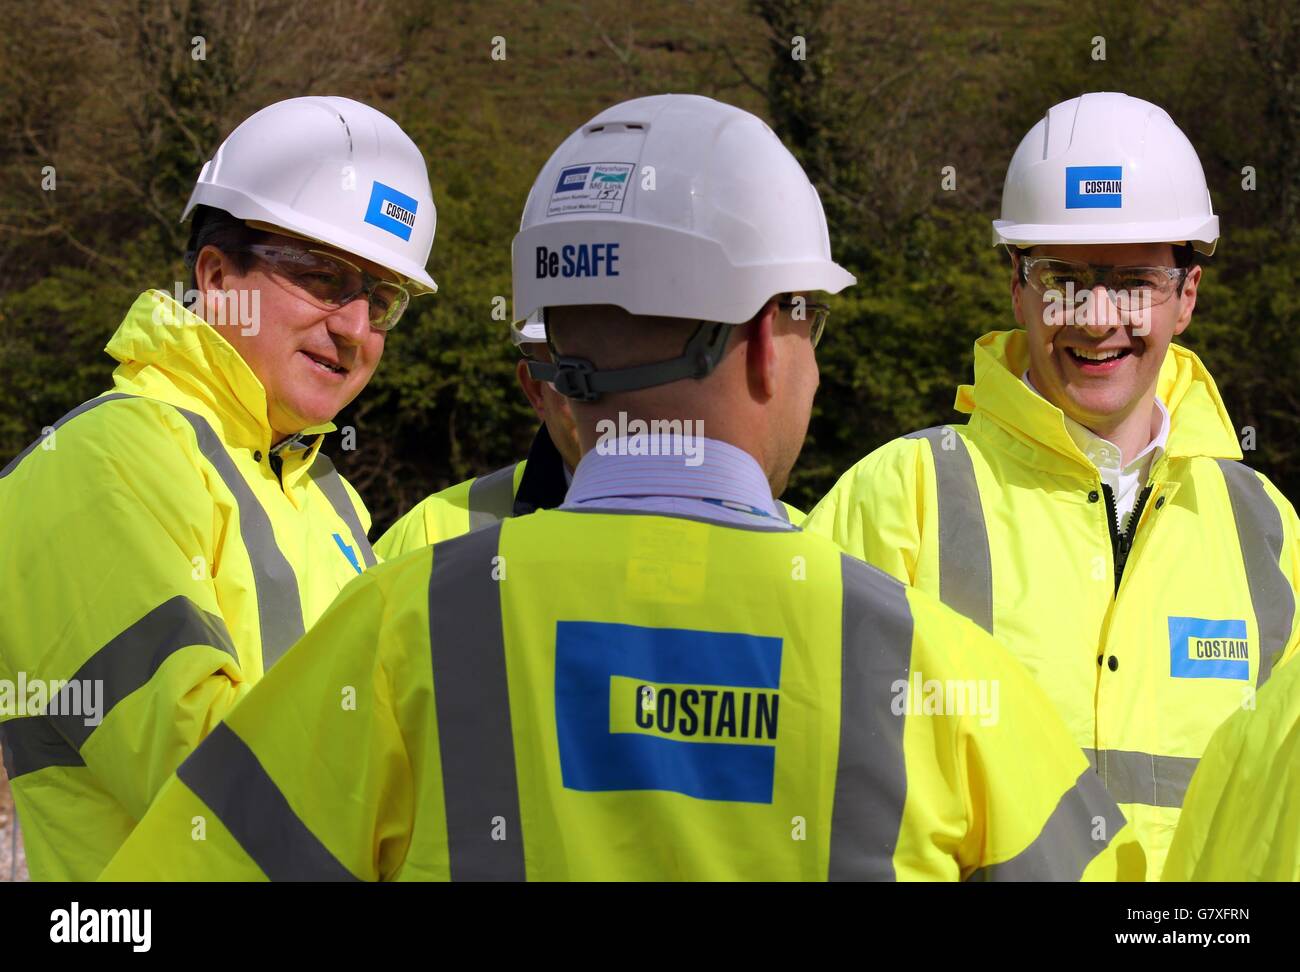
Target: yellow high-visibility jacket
x,y
1146,642
694,700
159,556
1241,820
535,483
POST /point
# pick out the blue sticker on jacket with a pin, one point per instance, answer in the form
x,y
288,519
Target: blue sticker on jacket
x,y
693,712
1208,649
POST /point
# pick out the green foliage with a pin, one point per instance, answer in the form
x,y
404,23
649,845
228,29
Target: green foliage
x,y
888,95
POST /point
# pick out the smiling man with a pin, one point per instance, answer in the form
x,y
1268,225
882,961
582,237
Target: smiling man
x,y
1094,514
167,541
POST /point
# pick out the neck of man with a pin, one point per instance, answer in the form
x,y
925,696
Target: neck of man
x,y
716,425
1131,432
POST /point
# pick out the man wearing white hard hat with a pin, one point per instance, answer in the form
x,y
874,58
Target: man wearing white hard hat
x,y
169,540
538,482
1094,513
663,678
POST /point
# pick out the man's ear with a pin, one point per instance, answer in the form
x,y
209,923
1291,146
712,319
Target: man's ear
x,y
209,269
760,352
1187,300
1015,287
532,388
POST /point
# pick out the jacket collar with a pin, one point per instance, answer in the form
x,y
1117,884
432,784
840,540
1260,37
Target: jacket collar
x,y
544,482
1198,421
171,354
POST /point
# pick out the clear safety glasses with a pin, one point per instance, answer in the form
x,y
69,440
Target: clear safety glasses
x,y
1128,286
329,281
820,312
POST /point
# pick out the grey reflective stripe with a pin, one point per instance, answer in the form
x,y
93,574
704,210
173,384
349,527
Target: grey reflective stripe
x,y
227,776
32,743
1144,778
279,608
492,497
122,666
1065,846
472,698
83,407
1259,530
327,479
871,775
965,564
130,660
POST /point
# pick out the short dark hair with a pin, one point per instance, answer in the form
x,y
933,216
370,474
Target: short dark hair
x,y
229,234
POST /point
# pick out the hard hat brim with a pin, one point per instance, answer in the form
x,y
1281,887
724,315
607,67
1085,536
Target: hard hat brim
x,y
1201,231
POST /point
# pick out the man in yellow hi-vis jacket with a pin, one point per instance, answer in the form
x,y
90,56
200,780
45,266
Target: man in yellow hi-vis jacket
x,y
1241,820
664,678
538,482
1094,514
166,542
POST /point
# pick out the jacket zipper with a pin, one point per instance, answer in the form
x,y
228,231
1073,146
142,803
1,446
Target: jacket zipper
x,y
1122,542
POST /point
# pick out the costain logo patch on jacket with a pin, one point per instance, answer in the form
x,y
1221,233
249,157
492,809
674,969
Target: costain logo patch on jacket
x,y
1208,649
694,712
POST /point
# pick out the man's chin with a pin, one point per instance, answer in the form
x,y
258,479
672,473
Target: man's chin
x,y
1096,406
304,418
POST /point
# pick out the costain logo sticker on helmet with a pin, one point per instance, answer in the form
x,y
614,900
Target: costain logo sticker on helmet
x,y
573,178
693,712
578,260
391,210
1094,187
1208,649
593,187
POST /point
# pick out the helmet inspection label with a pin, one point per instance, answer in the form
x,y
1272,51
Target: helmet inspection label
x,y
1094,187
593,187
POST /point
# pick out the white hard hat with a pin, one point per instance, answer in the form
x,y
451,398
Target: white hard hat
x,y
531,331
673,206
332,170
1106,168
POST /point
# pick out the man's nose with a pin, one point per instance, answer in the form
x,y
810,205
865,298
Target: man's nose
x,y
1103,315
351,322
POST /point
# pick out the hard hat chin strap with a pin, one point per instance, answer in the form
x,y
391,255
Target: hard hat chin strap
x,y
578,378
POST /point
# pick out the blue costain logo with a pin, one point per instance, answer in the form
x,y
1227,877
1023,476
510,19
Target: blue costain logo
x,y
348,552
1094,187
391,210
1208,649
572,178
692,712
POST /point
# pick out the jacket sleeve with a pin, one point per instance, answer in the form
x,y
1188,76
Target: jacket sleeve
x,y
107,582
876,511
1000,787
311,777
1289,563
407,534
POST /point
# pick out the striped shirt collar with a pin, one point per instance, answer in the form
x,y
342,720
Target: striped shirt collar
x,y
723,473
